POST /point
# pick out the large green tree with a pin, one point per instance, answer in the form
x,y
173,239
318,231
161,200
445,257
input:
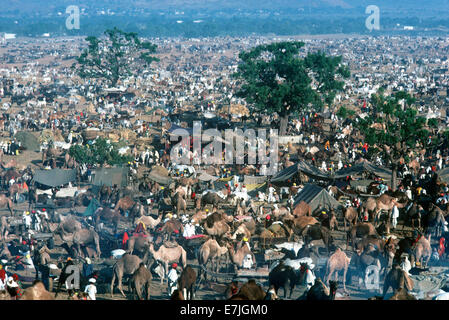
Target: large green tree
x,y
276,79
113,57
400,129
99,152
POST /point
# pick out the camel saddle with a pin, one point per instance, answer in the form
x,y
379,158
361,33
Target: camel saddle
x,y
170,244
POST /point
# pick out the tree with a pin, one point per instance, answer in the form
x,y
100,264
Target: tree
x,y
399,131
275,79
114,57
99,152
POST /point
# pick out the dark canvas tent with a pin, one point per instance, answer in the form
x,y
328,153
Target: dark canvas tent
x,y
316,197
365,166
54,177
303,167
110,177
27,140
175,127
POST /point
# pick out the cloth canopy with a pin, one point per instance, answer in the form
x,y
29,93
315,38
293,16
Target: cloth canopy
x,y
316,197
110,176
54,177
361,167
303,167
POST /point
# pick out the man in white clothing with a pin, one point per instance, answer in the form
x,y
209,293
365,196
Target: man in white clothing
x,y
91,289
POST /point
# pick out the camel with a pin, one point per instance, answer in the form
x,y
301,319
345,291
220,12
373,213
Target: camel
x,y
301,223
177,295
319,291
109,215
126,265
169,255
422,249
125,203
241,230
337,261
302,209
237,256
140,280
137,243
211,198
210,251
250,291
362,229
149,221
282,275
317,232
402,294
6,202
85,237
172,226
218,229
36,292
397,279
199,216
351,216
180,203
186,282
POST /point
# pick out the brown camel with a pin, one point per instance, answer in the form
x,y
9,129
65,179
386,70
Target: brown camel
x,y
301,223
302,209
219,228
149,221
250,291
126,265
337,261
362,229
37,292
210,251
423,249
6,202
351,216
169,255
186,282
125,203
85,237
397,279
237,256
137,243
140,280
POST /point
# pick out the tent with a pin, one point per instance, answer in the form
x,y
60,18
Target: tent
x,y
54,177
361,167
443,174
28,140
91,208
110,176
300,166
316,197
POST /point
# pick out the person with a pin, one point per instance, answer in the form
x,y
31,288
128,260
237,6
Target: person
x,y
125,240
3,278
395,216
88,268
91,289
172,279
